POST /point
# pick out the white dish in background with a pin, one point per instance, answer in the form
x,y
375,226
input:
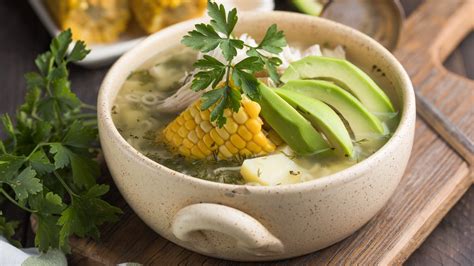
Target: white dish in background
x,y
105,54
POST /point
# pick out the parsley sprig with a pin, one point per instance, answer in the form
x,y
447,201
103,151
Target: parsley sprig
x,y
46,160
239,77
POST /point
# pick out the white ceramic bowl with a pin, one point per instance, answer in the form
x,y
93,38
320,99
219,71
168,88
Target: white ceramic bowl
x,y
252,223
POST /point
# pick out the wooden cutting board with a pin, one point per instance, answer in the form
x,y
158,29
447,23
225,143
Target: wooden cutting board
x,y
435,179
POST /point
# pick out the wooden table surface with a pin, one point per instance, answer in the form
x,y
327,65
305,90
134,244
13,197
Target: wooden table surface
x,y
22,37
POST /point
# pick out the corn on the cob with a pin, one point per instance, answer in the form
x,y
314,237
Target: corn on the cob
x,y
152,15
93,21
192,134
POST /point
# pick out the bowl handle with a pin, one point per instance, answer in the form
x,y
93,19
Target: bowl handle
x,y
251,236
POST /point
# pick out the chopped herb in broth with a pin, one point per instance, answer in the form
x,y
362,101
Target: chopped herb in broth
x,y
227,115
138,122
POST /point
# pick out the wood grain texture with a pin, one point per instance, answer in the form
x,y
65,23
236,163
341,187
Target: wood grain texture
x,y
423,50
22,37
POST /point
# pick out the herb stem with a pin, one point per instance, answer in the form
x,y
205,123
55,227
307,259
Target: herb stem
x,y
12,200
86,115
88,106
36,148
66,186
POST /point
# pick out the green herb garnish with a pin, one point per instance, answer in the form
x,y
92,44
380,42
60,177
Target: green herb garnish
x,y
46,161
218,34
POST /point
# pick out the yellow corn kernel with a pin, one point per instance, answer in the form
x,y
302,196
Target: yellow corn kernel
x,y
252,108
215,136
188,144
204,149
231,126
222,133
206,126
183,132
195,151
238,141
180,120
245,152
175,127
224,151
208,140
244,133
253,147
231,147
169,134
197,119
193,137
240,117
187,115
199,132
176,140
184,151
253,125
205,115
270,147
260,139
190,125
194,111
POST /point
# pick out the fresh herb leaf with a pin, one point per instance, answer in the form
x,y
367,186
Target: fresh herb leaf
x,y
7,230
9,166
46,165
204,38
78,53
80,136
25,184
40,162
86,212
274,40
84,170
219,20
212,72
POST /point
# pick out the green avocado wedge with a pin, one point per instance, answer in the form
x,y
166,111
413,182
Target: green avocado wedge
x,y
361,121
342,71
310,7
292,127
323,118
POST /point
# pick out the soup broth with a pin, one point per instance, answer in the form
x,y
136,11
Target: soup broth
x,y
138,121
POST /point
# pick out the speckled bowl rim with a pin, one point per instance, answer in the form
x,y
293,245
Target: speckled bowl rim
x,y
339,178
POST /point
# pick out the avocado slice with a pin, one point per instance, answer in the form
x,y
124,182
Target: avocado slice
x,y
292,127
323,118
361,121
353,78
310,7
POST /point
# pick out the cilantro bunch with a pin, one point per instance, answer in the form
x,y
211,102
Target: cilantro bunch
x,y
46,161
218,34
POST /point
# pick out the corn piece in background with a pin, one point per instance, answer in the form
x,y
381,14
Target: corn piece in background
x,y
94,21
153,15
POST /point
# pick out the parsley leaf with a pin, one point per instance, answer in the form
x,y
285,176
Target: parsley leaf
x,y
212,72
7,230
204,38
46,160
25,183
86,213
219,20
273,41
